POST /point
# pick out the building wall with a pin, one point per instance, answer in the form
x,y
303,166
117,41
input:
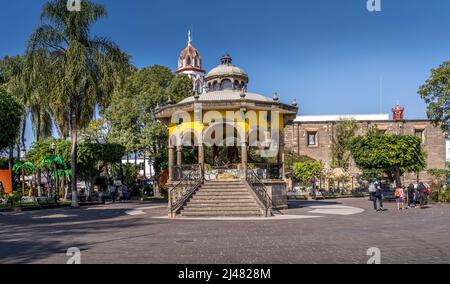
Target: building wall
x,y
434,141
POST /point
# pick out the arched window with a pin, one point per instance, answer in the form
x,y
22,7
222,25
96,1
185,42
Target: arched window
x,y
237,85
198,87
226,85
214,86
188,60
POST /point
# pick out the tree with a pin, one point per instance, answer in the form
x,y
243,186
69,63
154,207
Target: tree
x,y
12,70
11,113
82,70
436,93
24,169
440,176
51,165
340,146
394,154
131,116
305,172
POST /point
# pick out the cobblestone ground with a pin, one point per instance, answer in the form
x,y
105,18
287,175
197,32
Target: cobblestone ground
x,y
130,233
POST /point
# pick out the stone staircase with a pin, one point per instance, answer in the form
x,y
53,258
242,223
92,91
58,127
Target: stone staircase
x,y
222,199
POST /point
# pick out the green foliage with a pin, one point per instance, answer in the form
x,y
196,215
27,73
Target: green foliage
x,y
28,168
95,132
90,156
11,113
369,174
41,153
304,172
440,176
340,147
393,154
79,71
436,93
131,113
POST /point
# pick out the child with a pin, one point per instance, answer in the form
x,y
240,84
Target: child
x,y
400,197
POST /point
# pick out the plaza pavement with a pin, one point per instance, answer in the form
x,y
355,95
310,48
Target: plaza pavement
x,y
337,231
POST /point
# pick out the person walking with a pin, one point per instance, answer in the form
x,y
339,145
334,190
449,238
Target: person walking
x,y
113,194
421,192
411,189
376,194
400,197
379,198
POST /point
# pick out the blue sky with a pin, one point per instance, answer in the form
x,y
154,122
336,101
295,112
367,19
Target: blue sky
x,y
329,54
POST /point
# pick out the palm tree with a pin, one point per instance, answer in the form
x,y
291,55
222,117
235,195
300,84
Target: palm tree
x,y
83,71
25,83
37,100
51,164
65,175
12,68
24,169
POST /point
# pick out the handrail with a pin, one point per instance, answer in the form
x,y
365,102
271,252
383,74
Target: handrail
x,y
185,188
260,190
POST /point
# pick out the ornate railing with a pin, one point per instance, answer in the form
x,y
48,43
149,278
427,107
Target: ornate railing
x,y
267,171
189,179
260,190
231,171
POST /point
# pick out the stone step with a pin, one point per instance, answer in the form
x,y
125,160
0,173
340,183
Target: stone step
x,y
222,201
222,190
222,209
224,193
244,206
224,187
222,214
221,198
224,184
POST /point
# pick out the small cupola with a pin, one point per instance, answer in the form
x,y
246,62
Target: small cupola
x,y
398,113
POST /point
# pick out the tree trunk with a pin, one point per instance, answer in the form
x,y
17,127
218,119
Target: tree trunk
x,y
56,180
11,158
39,182
398,178
121,171
31,193
73,154
23,181
145,172
18,150
63,186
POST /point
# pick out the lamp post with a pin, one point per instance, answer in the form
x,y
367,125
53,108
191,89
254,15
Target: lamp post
x,y
23,153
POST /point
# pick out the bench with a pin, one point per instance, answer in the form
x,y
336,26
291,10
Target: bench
x,y
45,202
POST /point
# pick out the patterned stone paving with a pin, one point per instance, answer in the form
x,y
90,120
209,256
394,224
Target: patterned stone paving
x,y
344,232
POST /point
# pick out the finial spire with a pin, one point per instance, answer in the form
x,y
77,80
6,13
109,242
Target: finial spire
x,y
189,37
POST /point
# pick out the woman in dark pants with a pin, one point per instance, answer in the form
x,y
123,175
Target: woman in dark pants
x,y
411,190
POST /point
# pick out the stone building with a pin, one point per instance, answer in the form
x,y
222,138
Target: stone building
x,y
312,136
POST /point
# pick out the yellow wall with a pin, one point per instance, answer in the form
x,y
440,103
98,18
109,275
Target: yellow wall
x,y
253,119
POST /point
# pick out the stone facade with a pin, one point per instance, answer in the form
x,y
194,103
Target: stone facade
x,y
434,140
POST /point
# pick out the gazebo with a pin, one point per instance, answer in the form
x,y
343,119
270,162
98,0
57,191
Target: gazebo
x,y
231,134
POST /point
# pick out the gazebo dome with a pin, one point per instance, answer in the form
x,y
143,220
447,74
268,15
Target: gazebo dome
x,y
227,95
226,76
